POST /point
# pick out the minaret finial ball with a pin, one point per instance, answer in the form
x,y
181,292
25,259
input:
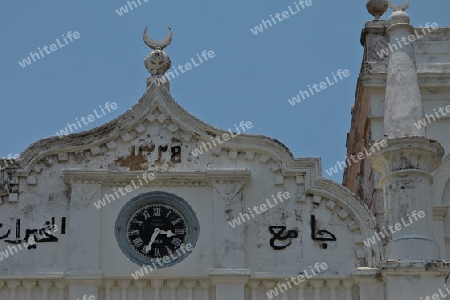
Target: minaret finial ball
x,y
377,7
157,62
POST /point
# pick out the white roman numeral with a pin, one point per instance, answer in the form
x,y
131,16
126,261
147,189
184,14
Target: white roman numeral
x,y
179,231
176,242
176,221
137,242
157,211
146,214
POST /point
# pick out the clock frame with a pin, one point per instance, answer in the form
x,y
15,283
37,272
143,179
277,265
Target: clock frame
x,y
154,225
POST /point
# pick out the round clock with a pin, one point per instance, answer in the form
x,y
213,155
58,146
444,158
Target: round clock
x,y
157,228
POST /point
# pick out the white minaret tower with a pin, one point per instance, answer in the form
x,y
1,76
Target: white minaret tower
x,y
409,158
405,166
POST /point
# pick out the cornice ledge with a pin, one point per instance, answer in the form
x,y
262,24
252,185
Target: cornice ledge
x,y
283,275
88,276
407,155
394,267
366,274
209,176
50,275
229,275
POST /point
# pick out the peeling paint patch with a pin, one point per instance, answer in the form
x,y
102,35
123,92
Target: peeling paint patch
x,y
133,161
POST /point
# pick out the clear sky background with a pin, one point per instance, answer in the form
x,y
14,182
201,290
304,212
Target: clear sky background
x,y
250,78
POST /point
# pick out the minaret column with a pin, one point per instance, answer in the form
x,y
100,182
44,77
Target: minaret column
x,y
405,165
411,267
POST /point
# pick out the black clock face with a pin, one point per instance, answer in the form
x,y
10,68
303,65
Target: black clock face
x,y
157,226
156,231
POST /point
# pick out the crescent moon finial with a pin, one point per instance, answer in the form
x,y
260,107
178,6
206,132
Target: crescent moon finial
x,y
402,7
157,44
157,62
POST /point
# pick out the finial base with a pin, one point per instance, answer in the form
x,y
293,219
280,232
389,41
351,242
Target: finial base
x,y
399,17
159,81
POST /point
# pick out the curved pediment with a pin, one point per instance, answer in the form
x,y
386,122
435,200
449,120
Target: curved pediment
x,y
157,113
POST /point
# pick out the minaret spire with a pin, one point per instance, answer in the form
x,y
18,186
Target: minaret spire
x,y
403,103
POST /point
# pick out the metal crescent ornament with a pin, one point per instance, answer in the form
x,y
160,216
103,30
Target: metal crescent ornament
x,y
157,44
402,7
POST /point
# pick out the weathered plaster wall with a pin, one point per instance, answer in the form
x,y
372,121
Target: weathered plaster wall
x,y
63,178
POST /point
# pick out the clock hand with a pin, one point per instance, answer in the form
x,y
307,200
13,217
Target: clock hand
x,y
169,233
152,240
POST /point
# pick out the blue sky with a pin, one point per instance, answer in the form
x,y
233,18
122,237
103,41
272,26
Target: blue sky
x,y
250,78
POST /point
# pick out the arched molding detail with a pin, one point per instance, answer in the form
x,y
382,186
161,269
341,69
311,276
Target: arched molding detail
x,y
359,213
